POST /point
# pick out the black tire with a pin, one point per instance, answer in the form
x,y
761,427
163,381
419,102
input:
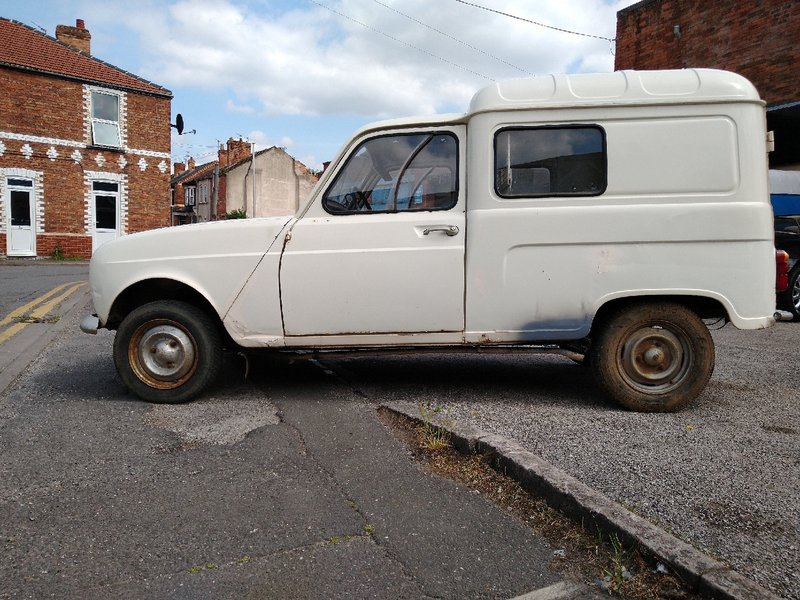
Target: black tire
x,y
790,299
653,357
167,351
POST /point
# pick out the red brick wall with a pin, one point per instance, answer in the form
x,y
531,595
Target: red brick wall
x,y
70,246
32,104
148,200
148,123
48,107
64,201
758,39
222,196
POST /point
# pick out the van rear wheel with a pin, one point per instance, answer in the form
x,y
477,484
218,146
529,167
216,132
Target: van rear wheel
x,y
653,357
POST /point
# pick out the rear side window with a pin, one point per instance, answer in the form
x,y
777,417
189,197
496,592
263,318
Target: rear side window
x,y
550,161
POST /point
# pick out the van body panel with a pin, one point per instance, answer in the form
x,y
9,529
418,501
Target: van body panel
x,y
642,197
685,211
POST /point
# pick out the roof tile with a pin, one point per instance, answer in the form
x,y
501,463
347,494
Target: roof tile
x,y
24,47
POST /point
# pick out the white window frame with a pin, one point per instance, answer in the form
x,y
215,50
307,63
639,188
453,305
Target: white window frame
x,y
190,195
89,210
203,194
94,120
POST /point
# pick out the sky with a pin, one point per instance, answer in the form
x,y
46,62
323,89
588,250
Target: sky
x,y
305,74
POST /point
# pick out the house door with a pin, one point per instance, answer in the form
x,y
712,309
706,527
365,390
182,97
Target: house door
x,y
21,211
105,203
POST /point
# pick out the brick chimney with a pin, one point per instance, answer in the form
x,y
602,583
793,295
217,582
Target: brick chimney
x,y
178,168
190,164
77,37
235,151
222,155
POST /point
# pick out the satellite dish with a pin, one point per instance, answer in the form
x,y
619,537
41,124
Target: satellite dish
x,y
178,124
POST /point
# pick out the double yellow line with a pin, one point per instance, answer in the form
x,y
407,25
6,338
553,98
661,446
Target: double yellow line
x,y
36,309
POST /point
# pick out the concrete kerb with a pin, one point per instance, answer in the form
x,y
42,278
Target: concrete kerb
x,y
596,512
13,261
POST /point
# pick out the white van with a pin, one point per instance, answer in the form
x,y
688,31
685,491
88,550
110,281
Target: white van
x,y
603,216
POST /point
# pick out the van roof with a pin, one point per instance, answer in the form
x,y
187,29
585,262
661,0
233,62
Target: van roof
x,y
620,88
684,86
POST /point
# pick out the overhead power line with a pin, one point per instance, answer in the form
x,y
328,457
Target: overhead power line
x,y
455,39
399,41
560,29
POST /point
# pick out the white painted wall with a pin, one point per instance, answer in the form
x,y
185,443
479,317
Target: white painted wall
x,y
282,185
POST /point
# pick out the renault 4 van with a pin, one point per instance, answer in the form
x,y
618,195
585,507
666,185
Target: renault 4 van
x,y
608,217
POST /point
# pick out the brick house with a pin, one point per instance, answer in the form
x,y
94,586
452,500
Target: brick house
x,y
756,39
208,191
84,145
199,192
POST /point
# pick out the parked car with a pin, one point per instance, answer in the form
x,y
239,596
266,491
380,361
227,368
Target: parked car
x,y
787,238
606,215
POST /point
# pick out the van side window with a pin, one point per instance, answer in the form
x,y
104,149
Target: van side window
x,y
550,161
397,173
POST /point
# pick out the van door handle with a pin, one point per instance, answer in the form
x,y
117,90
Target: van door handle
x,y
450,230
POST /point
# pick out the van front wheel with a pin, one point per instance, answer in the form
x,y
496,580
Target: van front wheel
x,y
655,357
167,351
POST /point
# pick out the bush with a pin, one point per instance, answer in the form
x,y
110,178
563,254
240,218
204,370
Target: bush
x,y
239,213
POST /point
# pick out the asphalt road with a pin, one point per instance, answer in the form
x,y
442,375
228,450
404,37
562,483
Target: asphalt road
x,y
723,474
34,295
283,487
24,281
287,485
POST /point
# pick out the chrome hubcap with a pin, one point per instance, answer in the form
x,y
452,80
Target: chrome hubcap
x,y
796,293
166,353
655,359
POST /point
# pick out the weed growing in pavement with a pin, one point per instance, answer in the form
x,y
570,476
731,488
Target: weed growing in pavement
x,y
200,568
369,529
617,573
581,553
58,254
338,539
432,437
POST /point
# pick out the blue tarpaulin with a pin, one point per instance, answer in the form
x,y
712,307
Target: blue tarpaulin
x,y
785,204
785,196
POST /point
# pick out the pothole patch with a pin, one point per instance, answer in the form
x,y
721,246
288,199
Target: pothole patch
x,y
223,419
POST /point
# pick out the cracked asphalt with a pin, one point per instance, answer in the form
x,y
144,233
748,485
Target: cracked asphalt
x,y
287,488
287,485
722,474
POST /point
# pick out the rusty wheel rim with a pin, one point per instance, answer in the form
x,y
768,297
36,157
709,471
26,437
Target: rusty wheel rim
x,y
655,359
162,354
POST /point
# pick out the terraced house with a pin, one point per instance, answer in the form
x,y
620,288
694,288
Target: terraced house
x,y
84,145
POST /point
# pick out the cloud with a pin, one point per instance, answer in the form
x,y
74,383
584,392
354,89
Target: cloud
x,y
262,140
366,59
244,109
